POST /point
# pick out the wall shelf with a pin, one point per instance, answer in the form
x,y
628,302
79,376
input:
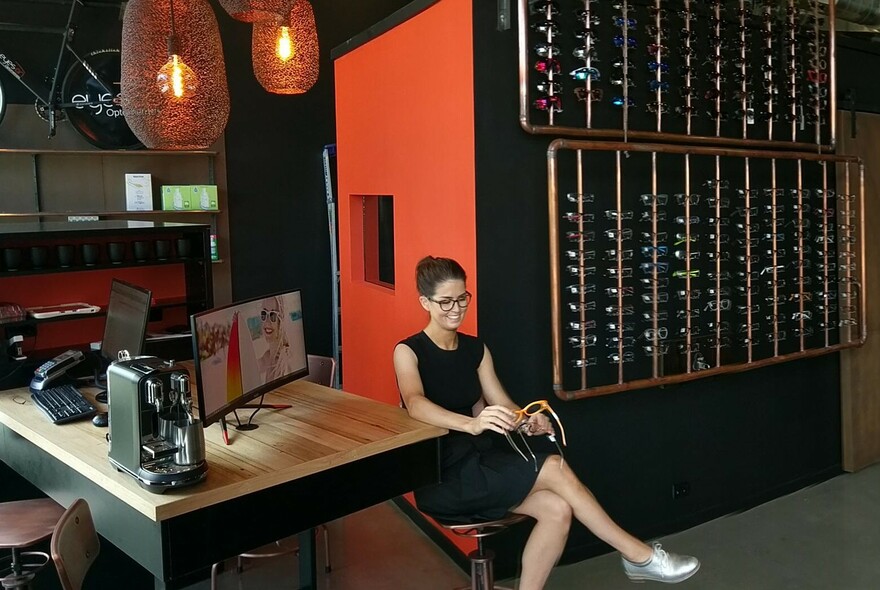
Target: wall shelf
x,y
180,286
166,303
50,180
41,152
107,213
93,267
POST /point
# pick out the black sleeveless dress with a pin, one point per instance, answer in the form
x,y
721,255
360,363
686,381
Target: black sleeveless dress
x,y
481,477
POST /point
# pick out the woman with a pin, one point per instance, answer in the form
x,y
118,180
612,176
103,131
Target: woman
x,y
277,361
441,375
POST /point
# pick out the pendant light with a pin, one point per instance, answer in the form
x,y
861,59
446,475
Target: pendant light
x,y
173,83
252,11
175,78
285,52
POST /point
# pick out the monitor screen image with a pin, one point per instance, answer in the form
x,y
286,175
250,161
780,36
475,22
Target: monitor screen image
x,y
245,349
127,314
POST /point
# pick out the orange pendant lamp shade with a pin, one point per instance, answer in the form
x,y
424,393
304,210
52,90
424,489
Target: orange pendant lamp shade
x,y
285,52
173,86
253,11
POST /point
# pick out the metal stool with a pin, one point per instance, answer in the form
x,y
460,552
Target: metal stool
x,y
482,574
23,524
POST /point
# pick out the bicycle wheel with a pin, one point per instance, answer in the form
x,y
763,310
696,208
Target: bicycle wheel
x,y
103,125
2,101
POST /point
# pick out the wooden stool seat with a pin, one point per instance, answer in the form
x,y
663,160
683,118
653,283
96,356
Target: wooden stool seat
x,y
482,573
27,522
22,524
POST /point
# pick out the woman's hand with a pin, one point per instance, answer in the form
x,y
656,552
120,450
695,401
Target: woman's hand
x,y
495,418
539,424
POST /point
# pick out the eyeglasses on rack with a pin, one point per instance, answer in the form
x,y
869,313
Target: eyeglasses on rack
x,y
582,94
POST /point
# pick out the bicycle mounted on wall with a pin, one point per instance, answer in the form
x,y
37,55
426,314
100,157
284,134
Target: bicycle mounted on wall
x,y
87,95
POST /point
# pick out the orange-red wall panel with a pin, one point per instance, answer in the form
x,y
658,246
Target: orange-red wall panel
x,y
405,128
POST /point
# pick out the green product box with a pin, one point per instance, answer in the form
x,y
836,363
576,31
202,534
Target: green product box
x,y
204,196
177,197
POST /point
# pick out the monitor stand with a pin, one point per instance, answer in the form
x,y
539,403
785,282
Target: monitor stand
x,y
100,375
249,425
268,406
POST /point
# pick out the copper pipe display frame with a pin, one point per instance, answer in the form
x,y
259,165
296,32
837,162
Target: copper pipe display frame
x,y
579,147
628,134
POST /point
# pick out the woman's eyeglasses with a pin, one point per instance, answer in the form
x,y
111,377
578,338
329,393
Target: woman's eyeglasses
x,y
448,303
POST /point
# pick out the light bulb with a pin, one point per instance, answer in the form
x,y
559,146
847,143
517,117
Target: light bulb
x,y
284,49
176,79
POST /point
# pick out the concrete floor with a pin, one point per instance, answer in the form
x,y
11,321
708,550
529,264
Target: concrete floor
x,y
826,537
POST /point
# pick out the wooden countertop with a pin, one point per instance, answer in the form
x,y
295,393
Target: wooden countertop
x,y
324,428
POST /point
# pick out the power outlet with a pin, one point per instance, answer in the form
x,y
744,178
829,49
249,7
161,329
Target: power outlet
x,y
680,490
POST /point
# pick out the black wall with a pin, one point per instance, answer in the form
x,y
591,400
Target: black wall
x,y
738,440
277,204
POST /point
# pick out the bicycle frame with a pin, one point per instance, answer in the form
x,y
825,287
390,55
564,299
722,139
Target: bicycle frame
x,y
51,103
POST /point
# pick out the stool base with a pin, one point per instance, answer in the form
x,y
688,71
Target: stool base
x,y
482,573
20,568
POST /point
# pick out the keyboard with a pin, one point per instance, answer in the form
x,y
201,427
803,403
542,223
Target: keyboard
x,y
63,403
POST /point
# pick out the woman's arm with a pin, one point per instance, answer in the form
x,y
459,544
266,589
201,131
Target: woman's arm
x,y
493,391
409,382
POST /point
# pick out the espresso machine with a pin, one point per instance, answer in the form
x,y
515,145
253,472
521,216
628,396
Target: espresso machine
x,y
153,434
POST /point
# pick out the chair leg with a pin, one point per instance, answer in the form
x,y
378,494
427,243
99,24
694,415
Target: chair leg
x,y
324,528
214,569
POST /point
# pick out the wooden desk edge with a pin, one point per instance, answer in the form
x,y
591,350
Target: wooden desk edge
x,y
174,503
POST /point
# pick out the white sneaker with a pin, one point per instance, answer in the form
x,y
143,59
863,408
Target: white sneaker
x,y
662,567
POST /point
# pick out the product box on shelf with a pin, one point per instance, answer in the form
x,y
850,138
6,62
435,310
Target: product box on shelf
x,y
189,197
204,196
176,198
138,192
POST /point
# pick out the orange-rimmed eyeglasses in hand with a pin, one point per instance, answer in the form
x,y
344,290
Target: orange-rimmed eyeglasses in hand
x,y
522,426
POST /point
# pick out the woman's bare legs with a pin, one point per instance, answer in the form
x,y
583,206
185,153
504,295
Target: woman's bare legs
x,y
547,540
557,496
557,477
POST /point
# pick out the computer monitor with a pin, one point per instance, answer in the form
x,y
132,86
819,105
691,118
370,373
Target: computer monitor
x,y
126,325
246,349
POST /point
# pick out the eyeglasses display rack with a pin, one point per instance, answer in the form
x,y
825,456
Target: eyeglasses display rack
x,y
694,261
748,73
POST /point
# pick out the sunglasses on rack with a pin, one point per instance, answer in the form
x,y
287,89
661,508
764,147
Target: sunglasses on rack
x,y
584,73
547,103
